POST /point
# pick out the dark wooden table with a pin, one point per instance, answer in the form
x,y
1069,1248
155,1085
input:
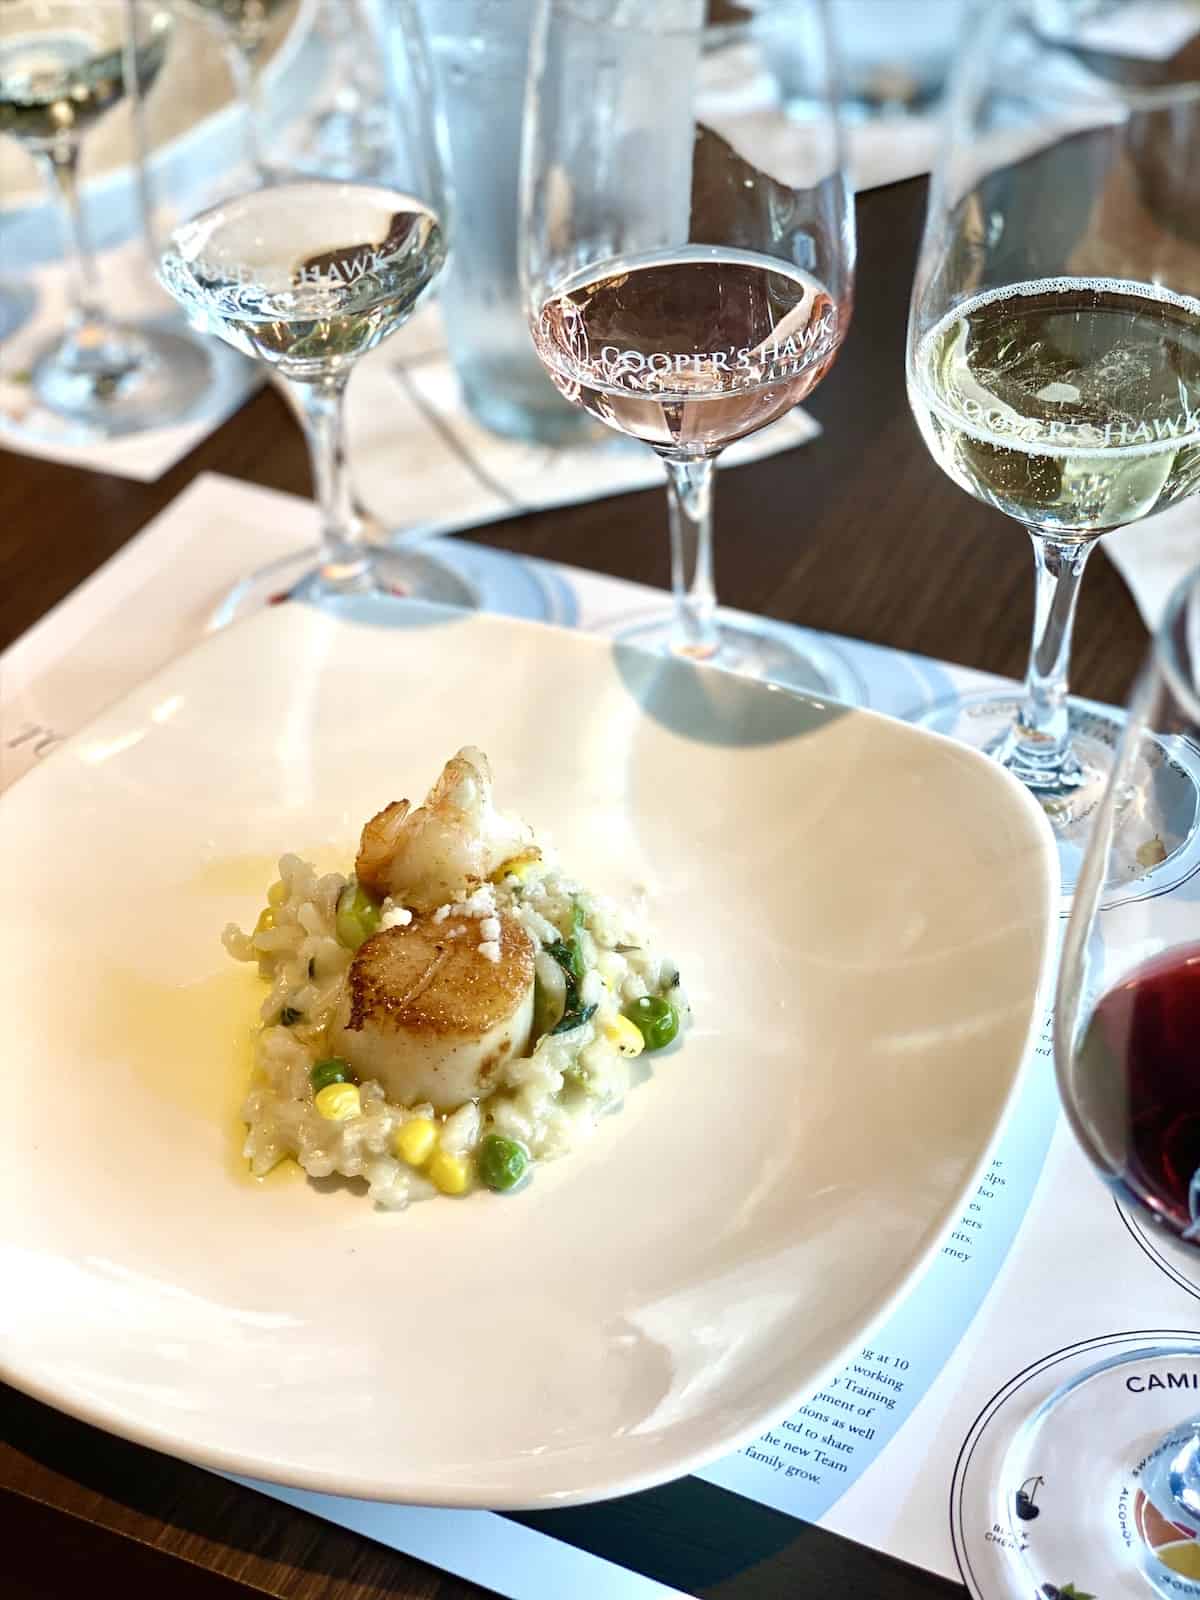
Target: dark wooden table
x,y
860,534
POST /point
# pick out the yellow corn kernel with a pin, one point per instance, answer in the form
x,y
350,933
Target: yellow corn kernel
x,y
626,1035
518,867
339,1102
414,1140
277,893
449,1173
266,920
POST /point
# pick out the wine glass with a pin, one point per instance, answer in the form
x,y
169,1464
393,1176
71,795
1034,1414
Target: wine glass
x,y
1054,343
687,267
307,275
1114,1448
64,65
347,125
246,24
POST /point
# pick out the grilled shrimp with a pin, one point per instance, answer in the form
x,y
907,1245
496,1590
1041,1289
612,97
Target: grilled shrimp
x,y
437,854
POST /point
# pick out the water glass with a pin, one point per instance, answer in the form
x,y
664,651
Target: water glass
x,y
480,51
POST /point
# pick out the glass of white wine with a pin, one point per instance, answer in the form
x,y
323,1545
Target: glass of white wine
x,y
687,268
309,274
1054,342
64,66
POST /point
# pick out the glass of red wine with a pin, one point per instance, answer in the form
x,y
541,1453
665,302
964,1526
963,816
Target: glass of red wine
x,y
687,260
1114,1449
1127,1020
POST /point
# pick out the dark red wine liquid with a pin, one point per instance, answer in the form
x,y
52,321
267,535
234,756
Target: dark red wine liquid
x,y
1149,1026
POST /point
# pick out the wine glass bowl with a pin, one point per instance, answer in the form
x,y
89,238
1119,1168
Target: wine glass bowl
x,y
307,276
687,269
1054,349
1129,993
358,259
64,66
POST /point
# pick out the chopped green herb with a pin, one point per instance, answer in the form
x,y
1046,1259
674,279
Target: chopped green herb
x,y
289,1016
574,1017
569,956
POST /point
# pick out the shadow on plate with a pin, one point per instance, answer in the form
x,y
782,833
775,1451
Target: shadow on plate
x,y
715,707
386,611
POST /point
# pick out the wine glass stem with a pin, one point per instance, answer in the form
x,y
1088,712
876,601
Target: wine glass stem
x,y
141,135
1184,1471
61,165
1043,749
345,557
694,631
243,60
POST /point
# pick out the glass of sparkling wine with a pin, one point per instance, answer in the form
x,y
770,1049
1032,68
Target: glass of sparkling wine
x,y
64,66
309,274
1054,342
1108,1441
687,268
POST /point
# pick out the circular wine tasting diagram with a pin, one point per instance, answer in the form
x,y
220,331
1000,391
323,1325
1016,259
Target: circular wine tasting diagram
x,y
1059,1490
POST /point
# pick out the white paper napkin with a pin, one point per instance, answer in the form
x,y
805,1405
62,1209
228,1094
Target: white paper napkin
x,y
129,294
1153,556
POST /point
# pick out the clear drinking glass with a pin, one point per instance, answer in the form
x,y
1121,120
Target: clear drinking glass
x,y
480,52
1115,1450
687,268
309,274
64,65
1054,343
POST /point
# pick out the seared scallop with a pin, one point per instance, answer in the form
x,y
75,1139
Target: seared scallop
x,y
429,1015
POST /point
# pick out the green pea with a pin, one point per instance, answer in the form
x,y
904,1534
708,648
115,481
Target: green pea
x,y
656,1020
501,1162
357,916
331,1070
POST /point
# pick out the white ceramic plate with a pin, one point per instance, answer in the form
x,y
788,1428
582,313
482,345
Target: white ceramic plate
x,y
862,914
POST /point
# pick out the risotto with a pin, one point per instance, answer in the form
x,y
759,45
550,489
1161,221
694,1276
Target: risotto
x,y
453,1011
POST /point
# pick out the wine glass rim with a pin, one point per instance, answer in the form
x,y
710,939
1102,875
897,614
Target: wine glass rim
x,y
1166,649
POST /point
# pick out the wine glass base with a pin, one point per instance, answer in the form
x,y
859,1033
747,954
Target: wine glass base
x,y
402,574
1157,827
144,378
754,647
1063,1487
